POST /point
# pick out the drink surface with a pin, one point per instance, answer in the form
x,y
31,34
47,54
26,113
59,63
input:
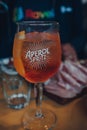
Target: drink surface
x,y
37,56
17,101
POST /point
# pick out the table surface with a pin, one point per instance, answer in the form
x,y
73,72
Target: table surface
x,y
72,116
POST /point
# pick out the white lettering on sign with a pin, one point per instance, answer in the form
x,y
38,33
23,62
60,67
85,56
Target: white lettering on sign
x,y
38,55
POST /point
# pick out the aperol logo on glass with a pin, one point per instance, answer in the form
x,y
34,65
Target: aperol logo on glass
x,y
20,14
38,55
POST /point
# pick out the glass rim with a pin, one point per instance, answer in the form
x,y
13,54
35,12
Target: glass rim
x,y
35,23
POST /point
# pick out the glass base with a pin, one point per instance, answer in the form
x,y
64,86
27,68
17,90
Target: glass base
x,y
45,122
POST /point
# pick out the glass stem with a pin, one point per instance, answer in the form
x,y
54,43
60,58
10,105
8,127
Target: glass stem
x,y
38,94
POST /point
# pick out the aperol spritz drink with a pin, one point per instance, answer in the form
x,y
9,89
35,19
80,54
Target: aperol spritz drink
x,y
37,57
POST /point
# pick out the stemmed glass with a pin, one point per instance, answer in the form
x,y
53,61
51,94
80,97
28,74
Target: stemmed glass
x,y
37,57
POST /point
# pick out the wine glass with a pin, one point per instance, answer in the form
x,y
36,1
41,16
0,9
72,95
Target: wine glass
x,y
37,57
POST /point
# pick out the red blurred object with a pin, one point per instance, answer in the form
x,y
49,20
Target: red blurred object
x,y
69,83
69,52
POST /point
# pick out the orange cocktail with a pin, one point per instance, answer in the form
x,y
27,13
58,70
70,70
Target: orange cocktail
x,y
37,55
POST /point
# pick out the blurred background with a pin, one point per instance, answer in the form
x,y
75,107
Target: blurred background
x,y
12,11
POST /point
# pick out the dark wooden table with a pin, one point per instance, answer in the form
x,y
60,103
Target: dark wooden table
x,y
72,116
